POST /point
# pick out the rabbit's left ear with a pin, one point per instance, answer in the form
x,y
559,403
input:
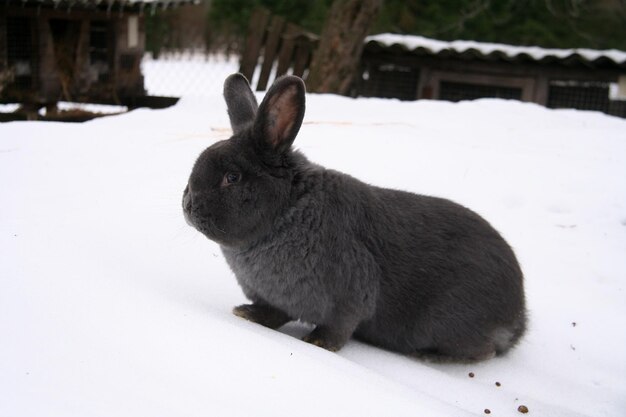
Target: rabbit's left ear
x,y
280,115
240,100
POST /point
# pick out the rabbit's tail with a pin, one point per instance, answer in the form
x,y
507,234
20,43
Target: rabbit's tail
x,y
501,341
504,338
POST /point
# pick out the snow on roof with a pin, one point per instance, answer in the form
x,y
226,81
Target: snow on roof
x,y
421,44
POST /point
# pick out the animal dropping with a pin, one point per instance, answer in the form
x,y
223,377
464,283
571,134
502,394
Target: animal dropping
x,y
410,273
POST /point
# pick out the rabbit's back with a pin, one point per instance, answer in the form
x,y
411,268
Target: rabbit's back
x,y
447,277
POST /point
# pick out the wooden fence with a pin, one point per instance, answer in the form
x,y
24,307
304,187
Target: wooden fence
x,y
276,40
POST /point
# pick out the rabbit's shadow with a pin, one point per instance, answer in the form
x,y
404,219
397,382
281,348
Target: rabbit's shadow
x,y
296,329
359,351
354,349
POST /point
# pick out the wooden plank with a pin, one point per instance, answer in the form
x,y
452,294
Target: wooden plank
x,y
3,42
287,47
47,82
303,55
271,46
82,75
540,93
254,41
153,102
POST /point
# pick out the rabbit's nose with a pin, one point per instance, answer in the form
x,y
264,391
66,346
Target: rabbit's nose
x,y
187,202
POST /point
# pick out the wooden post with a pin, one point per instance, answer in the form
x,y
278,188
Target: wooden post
x,y
4,65
286,50
82,81
271,47
337,57
256,34
303,55
424,89
541,87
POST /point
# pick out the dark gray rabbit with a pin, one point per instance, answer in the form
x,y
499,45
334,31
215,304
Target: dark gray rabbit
x,y
407,272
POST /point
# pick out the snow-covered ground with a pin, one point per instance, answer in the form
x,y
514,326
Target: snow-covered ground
x,y
110,305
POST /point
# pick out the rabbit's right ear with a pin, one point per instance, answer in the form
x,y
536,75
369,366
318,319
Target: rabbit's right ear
x,y
241,102
280,114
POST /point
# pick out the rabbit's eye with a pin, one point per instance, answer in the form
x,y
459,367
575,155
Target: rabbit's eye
x,y
231,178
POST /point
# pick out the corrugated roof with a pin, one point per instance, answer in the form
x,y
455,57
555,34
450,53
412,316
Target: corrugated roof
x,y
420,45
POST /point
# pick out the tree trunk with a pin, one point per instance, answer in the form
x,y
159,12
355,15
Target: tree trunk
x,y
336,61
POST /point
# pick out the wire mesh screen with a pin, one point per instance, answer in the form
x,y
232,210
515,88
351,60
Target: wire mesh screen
x,y
579,95
176,74
389,81
180,57
453,91
100,39
584,95
20,51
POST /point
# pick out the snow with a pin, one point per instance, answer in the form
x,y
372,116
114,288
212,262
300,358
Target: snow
x,y
111,305
435,46
9,107
88,107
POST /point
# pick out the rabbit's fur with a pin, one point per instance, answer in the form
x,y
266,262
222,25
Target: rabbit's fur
x,y
407,272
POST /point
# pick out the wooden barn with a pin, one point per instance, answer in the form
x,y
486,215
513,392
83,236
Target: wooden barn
x,y
73,50
414,67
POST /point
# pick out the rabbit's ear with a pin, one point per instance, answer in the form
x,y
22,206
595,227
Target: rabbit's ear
x,y
280,114
240,100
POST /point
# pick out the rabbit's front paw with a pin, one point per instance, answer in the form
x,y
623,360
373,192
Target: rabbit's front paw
x,y
264,315
326,338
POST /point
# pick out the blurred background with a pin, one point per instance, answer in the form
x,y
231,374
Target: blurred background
x,y
132,53
221,25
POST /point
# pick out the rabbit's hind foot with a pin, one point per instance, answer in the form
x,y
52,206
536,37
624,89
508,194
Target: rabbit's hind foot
x,y
264,315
